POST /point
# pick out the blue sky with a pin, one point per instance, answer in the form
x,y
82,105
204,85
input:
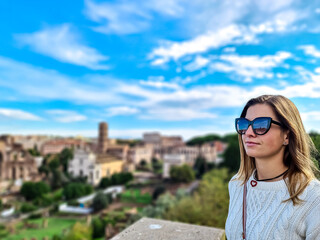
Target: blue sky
x,y
174,66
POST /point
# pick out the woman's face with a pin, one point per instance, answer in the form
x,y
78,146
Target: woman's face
x,y
269,145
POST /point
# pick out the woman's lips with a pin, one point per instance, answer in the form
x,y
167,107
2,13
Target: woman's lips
x,y
251,144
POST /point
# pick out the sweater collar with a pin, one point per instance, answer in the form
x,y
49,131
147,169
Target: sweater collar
x,y
269,186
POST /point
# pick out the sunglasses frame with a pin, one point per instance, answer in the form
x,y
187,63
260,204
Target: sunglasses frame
x,y
250,123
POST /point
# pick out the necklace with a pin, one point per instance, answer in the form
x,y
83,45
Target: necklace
x,y
254,182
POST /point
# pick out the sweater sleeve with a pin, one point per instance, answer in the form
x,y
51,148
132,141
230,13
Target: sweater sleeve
x,y
313,221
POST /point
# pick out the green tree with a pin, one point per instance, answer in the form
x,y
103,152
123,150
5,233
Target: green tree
x,y
76,190
208,206
65,156
200,166
79,231
99,202
54,164
197,141
316,140
32,190
105,182
156,165
182,173
231,156
98,228
27,207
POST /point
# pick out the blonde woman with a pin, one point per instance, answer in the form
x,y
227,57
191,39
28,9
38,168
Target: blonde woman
x,y
275,194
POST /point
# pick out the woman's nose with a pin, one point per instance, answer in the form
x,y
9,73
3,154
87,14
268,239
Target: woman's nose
x,y
250,131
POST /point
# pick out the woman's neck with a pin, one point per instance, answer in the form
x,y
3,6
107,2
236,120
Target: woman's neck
x,y
269,169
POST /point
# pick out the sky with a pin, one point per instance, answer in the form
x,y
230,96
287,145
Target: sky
x,y
173,66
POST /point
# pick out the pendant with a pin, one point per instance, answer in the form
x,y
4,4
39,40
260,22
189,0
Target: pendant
x,y
253,183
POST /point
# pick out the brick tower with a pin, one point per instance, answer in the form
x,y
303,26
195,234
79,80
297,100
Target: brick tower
x,y
103,137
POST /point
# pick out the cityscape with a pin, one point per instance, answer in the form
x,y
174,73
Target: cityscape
x,y
117,118
111,169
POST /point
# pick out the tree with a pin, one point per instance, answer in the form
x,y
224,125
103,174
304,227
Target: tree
x,y
158,191
182,173
200,166
76,190
98,228
156,165
54,164
197,141
65,156
105,182
99,202
316,140
231,156
32,190
208,206
79,231
34,151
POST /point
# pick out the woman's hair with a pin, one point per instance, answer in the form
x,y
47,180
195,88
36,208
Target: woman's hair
x,y
297,156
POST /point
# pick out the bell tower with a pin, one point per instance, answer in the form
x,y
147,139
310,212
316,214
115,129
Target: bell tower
x,y
103,137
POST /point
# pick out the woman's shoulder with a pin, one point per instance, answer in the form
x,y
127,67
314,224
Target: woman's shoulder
x,y
312,191
235,182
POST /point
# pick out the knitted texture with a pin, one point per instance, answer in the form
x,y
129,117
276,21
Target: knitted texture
x,y
268,217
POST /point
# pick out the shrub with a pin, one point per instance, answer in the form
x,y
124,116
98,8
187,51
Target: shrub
x,y
32,190
105,182
182,173
98,227
158,191
43,201
74,203
76,190
99,202
35,216
27,207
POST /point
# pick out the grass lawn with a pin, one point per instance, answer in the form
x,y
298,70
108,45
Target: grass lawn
x,y
55,226
135,196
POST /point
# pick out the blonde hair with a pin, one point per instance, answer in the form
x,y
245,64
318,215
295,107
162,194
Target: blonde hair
x,y
297,156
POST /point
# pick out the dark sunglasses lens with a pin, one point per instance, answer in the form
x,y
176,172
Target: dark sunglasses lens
x,y
261,125
242,126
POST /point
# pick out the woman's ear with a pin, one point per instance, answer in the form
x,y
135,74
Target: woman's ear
x,y
286,137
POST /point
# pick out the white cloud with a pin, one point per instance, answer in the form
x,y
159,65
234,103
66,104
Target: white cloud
x,y
189,79
18,114
198,63
157,84
128,17
229,49
34,86
250,66
122,110
176,114
176,50
66,116
62,44
311,116
310,50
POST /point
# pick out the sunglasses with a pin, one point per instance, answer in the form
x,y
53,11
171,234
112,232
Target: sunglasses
x,y
260,125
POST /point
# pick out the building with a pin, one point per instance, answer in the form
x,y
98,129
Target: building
x,y
170,160
100,161
85,163
31,141
158,141
140,153
56,146
16,162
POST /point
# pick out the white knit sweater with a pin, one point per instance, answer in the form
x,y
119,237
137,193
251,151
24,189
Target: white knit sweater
x,y
269,218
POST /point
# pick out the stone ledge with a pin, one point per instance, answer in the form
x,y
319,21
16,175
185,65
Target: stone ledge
x,y
156,229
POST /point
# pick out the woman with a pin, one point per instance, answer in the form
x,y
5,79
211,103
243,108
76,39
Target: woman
x,y
275,194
